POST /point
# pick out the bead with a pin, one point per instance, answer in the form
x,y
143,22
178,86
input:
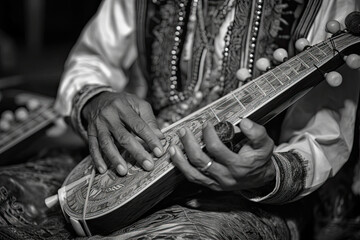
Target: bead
x,y
21,114
184,106
301,43
4,125
334,79
280,54
8,116
198,95
33,104
262,64
242,74
333,26
353,61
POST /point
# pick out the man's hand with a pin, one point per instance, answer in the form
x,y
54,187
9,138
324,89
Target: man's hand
x,y
250,168
118,119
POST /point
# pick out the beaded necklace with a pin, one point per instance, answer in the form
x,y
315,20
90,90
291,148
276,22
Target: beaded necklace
x,y
176,96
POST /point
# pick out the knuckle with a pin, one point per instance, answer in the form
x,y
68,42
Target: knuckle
x,y
139,127
104,144
196,156
123,139
212,146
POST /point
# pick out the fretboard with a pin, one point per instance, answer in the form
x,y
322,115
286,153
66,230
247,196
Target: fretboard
x,y
247,99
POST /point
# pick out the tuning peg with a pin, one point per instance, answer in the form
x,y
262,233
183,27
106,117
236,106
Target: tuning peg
x,y
280,55
8,116
301,44
334,79
353,61
21,114
263,64
333,26
4,125
243,74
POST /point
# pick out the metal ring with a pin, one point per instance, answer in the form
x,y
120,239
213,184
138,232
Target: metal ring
x,y
203,169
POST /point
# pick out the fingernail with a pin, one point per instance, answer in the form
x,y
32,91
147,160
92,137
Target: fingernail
x,y
246,123
182,132
158,152
101,170
172,151
148,165
121,170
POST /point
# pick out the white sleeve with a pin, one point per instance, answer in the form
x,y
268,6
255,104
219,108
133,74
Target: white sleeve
x,y
105,49
318,131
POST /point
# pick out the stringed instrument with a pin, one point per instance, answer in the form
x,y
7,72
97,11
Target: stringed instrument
x,y
100,204
24,116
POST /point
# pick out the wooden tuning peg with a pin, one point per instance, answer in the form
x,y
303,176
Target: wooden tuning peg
x,y
280,55
301,44
333,26
243,74
334,79
263,64
353,61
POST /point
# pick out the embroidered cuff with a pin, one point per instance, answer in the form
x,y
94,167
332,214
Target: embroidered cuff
x,y
289,182
79,101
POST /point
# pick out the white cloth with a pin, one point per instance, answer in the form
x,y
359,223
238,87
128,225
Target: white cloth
x,y
320,126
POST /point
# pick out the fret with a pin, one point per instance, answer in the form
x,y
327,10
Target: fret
x,y
319,48
298,65
308,59
265,85
317,54
216,116
280,75
238,101
273,81
229,108
272,73
288,71
250,95
262,92
304,65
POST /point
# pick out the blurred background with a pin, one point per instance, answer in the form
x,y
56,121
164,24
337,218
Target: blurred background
x,y
35,39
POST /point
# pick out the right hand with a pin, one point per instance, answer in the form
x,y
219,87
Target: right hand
x,y
117,118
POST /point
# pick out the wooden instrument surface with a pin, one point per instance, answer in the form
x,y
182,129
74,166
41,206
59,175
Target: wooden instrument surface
x,y
260,100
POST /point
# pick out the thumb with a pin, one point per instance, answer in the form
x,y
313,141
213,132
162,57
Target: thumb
x,y
255,133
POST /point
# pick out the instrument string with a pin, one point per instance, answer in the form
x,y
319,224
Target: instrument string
x,y
91,180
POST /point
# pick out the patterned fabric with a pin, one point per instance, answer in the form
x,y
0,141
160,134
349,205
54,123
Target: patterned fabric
x,y
23,189
202,217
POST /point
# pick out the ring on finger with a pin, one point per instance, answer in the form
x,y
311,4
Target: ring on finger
x,y
208,165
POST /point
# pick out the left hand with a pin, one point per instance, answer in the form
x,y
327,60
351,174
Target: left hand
x,y
250,168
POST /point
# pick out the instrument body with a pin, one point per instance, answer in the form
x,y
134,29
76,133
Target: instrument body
x,y
115,202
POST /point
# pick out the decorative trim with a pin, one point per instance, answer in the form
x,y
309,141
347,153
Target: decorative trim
x,y
290,180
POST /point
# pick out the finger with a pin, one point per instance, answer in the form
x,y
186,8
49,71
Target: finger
x,y
111,152
134,147
216,148
142,129
190,172
95,150
200,160
255,133
147,114
192,148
